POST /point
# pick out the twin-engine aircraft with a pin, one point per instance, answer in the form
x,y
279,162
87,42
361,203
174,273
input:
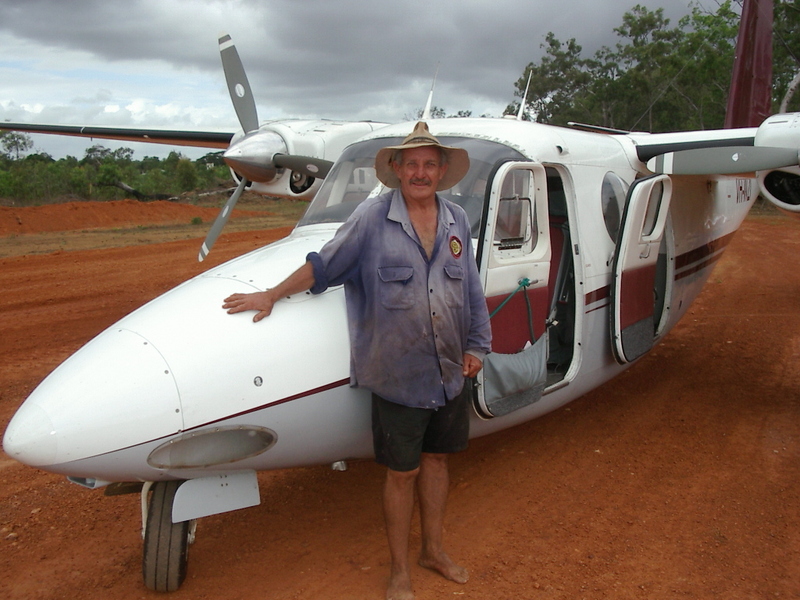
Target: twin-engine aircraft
x,y
591,247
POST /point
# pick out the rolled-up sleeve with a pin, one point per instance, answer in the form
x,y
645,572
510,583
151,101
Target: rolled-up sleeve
x,y
338,259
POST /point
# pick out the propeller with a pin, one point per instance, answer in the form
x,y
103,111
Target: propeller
x,y
245,106
256,156
238,86
220,221
724,160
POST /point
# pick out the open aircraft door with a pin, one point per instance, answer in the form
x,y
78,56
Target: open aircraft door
x,y
514,260
633,319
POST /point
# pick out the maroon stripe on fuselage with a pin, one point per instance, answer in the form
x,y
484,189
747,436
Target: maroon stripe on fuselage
x,y
698,259
323,388
686,264
597,295
702,252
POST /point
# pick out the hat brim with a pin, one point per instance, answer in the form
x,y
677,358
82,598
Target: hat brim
x,y
457,164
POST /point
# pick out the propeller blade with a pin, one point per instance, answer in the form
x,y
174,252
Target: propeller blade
x,y
723,161
238,86
220,221
307,165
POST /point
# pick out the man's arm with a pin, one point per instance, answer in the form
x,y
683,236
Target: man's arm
x,y
299,281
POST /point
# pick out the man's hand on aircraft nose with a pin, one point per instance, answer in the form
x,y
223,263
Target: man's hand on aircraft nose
x,y
259,301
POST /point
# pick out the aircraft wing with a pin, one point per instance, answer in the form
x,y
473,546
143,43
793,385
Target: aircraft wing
x,y
650,145
200,139
770,152
726,151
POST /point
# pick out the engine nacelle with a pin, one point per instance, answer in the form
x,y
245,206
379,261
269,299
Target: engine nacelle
x,y
253,155
781,186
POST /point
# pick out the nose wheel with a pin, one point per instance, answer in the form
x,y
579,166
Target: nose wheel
x,y
166,544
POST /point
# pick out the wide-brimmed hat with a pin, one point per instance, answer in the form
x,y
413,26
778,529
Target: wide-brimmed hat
x,y
457,158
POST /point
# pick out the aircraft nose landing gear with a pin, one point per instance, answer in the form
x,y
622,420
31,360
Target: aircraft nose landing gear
x,y
166,544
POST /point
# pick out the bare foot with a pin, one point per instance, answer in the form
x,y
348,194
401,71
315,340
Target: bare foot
x,y
444,565
399,587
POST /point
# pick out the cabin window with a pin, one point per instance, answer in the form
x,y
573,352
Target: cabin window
x,y
515,230
653,206
612,196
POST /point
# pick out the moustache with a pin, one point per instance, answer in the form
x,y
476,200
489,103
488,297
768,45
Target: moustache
x,y
422,181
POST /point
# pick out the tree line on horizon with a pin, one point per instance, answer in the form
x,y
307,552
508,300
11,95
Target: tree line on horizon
x,y
102,174
657,78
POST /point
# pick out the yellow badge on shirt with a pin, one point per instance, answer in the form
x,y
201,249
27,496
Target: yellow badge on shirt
x,y
456,247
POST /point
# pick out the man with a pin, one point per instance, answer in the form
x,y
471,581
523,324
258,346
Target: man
x,y
418,327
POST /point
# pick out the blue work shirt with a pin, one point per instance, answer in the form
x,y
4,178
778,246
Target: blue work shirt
x,y
410,319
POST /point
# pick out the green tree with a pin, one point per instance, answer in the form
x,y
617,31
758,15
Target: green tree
x,y
15,144
96,154
556,82
212,158
172,160
106,174
656,78
186,175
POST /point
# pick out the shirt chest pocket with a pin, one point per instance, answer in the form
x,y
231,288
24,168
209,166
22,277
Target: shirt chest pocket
x,y
453,286
396,291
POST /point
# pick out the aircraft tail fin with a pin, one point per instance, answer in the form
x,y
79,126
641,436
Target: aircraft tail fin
x,y
750,96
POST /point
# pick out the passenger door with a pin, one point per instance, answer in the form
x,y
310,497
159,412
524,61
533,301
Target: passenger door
x,y
516,250
514,260
633,323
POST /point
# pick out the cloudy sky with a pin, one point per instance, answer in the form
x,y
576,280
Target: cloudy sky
x,y
155,63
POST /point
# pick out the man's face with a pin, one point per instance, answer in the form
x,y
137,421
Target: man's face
x,y
419,171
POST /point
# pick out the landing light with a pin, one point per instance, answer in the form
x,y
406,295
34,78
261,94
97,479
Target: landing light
x,y
209,447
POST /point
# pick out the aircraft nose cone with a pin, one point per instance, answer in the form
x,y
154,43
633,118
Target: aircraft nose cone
x,y
115,392
30,436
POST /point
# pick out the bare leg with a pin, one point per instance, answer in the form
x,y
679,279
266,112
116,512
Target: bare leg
x,y
433,483
398,506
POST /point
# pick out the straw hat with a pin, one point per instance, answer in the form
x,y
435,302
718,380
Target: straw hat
x,y
457,159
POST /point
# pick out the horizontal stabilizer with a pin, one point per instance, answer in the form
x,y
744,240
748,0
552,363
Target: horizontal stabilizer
x,y
723,161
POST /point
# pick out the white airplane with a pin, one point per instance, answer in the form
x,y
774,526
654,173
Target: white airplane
x,y
591,247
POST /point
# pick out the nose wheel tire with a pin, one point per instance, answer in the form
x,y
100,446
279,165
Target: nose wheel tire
x,y
166,544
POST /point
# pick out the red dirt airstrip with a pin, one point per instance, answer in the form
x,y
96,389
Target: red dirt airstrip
x,y
679,479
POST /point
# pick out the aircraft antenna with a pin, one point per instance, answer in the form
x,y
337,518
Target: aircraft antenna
x,y
426,113
524,97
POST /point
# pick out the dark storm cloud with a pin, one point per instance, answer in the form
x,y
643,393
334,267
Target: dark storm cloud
x,y
323,58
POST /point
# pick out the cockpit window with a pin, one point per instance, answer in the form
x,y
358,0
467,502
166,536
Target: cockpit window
x,y
353,179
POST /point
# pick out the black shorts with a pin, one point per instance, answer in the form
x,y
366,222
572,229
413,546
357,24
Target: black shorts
x,y
401,433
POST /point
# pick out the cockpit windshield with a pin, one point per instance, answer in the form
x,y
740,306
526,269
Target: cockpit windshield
x,y
353,179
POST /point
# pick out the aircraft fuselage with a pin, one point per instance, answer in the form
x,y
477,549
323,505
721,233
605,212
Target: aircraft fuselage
x,y
179,389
